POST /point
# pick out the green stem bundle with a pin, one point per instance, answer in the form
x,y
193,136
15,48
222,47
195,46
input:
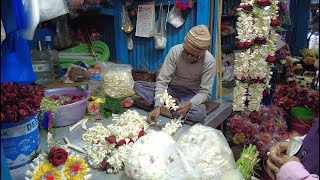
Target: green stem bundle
x,y
248,161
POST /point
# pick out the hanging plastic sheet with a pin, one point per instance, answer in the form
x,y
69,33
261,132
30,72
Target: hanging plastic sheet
x,y
175,18
12,15
50,9
16,61
32,14
126,25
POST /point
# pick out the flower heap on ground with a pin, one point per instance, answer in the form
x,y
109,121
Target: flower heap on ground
x,y
58,164
107,147
257,45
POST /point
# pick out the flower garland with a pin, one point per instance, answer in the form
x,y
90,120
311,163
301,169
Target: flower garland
x,y
57,164
108,147
257,39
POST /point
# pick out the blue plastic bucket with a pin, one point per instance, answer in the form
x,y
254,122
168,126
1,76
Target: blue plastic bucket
x,y
20,141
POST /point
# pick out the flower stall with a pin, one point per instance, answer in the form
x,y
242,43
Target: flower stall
x,y
69,109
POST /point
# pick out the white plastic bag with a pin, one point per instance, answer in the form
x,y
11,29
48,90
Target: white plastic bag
x,y
32,13
200,153
117,80
50,9
148,157
160,37
3,32
175,18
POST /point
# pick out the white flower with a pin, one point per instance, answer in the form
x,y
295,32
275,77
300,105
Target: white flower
x,y
168,101
171,127
239,96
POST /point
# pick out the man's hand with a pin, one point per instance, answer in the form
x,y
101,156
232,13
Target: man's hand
x,y
278,158
153,116
184,108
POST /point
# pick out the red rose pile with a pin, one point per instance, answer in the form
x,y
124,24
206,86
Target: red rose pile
x,y
262,128
19,102
289,97
66,98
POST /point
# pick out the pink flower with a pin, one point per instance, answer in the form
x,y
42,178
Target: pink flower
x,y
104,165
141,133
243,45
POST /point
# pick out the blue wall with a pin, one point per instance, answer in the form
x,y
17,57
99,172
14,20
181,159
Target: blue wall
x,y
144,55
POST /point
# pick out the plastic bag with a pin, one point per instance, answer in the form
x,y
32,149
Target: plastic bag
x,y
148,157
32,14
175,18
160,37
63,37
50,9
200,153
126,25
117,80
3,33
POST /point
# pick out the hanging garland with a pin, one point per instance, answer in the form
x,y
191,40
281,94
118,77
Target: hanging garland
x,y
256,42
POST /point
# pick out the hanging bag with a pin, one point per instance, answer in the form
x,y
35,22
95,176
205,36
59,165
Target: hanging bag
x,y
175,17
160,37
126,25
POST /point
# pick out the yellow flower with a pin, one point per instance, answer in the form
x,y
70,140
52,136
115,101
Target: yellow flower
x,y
48,172
75,168
99,100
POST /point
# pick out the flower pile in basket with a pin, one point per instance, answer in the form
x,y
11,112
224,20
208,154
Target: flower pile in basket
x,y
58,164
262,128
19,101
289,97
107,147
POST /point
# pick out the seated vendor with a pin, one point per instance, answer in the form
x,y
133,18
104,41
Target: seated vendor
x,y
187,73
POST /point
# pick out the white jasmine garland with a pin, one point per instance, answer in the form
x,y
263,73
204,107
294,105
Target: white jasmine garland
x,y
171,127
242,65
239,96
126,127
168,101
255,92
245,27
261,25
257,63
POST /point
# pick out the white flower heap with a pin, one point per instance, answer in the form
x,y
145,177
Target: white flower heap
x,y
148,157
257,45
108,147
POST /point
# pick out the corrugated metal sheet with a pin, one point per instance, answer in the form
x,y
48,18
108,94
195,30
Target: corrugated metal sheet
x,y
106,28
144,56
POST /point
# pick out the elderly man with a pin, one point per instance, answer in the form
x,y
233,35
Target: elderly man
x,y
187,73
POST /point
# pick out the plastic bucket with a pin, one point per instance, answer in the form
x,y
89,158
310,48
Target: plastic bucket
x,y
20,141
70,113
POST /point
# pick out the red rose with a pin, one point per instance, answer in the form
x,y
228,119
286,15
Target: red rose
x,y
10,115
141,133
240,78
246,7
103,165
2,116
57,156
131,140
110,139
243,45
122,142
271,59
254,116
274,22
263,3
260,40
23,114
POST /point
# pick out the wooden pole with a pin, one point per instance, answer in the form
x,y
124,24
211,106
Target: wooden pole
x,y
218,55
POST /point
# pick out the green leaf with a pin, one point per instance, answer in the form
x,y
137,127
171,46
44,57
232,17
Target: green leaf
x,y
111,106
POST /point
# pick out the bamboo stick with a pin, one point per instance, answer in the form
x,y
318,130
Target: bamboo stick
x,y
218,55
